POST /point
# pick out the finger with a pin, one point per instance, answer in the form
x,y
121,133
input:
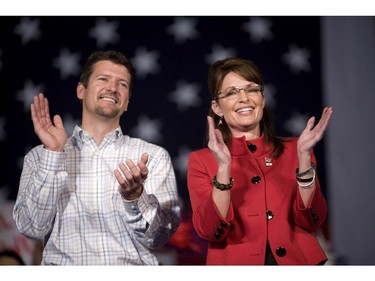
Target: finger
x,y
120,179
126,174
42,105
133,173
326,115
211,128
310,124
142,166
219,136
46,108
36,105
58,121
144,159
323,122
34,115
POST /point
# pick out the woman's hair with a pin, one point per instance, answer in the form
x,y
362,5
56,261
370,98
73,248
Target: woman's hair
x,y
249,71
113,56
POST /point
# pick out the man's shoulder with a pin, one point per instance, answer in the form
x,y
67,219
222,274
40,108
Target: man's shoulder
x,y
134,141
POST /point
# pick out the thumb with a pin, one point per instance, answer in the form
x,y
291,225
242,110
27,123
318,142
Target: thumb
x,y
144,158
310,123
57,121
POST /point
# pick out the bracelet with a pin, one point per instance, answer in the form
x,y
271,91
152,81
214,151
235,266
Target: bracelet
x,y
304,173
309,182
299,179
222,186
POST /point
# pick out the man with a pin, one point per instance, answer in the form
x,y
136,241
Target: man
x,y
98,197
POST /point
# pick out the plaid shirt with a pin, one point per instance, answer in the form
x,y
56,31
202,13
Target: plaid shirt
x,y
71,200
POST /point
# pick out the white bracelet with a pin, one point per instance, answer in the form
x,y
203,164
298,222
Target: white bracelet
x,y
309,184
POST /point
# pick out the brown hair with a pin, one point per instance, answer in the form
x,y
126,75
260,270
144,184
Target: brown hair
x,y
249,71
113,56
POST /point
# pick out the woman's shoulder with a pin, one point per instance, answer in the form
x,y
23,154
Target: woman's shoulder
x,y
289,140
200,153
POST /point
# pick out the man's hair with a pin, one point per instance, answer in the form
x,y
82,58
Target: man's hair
x,y
110,55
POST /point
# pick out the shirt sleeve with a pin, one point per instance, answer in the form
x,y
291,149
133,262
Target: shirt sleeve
x,y
43,175
155,215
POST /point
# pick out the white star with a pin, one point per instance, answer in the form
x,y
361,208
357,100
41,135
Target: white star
x,y
104,32
145,62
148,129
185,95
296,123
297,58
28,29
183,29
259,29
67,63
3,133
26,95
219,53
181,161
269,95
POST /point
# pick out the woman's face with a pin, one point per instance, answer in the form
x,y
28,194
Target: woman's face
x,y
241,111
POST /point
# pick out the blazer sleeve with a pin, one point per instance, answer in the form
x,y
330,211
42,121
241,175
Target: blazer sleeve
x,y
207,221
314,215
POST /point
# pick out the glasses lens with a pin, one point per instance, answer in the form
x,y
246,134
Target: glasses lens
x,y
233,92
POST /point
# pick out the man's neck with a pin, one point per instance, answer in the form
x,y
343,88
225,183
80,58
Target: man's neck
x,y
99,129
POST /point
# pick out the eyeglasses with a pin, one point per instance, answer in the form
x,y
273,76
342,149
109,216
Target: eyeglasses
x,y
251,90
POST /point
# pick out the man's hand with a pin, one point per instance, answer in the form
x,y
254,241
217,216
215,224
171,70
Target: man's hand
x,y
52,135
132,177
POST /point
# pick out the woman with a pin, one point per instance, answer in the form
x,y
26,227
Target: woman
x,y
255,197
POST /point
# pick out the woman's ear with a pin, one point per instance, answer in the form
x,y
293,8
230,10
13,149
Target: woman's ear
x,y
216,108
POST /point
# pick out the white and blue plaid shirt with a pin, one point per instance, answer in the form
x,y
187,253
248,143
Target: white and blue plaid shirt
x,y
70,199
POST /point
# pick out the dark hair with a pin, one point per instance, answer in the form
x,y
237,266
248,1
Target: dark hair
x,y
110,55
249,71
12,254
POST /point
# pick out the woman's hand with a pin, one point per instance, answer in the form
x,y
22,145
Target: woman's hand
x,y
216,144
312,135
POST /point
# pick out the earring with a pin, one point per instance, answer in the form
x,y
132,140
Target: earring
x,y
220,121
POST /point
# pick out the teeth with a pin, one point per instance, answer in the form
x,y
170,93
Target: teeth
x,y
109,99
245,109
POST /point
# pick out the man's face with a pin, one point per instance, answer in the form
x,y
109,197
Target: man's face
x,y
107,92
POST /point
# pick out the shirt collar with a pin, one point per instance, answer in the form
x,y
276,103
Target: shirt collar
x,y
80,137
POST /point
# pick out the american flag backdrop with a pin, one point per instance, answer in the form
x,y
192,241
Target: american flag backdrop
x,y
171,56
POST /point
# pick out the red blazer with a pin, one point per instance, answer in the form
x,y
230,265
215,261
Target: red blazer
x,y
265,205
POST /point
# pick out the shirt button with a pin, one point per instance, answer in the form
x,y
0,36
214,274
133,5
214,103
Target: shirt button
x,y
269,214
255,180
281,251
220,230
252,147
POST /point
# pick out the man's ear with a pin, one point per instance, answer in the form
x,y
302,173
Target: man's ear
x,y
80,91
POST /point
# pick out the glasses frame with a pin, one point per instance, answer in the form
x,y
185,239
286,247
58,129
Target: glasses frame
x,y
238,89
